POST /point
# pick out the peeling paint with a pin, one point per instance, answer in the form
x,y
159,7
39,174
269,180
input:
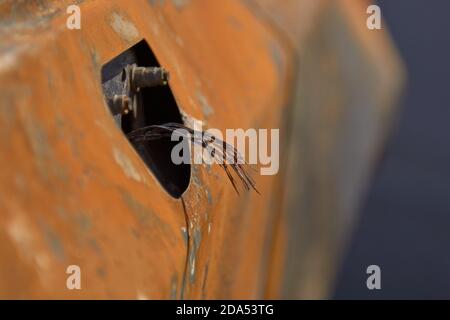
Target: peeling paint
x,y
95,58
197,238
204,104
20,17
123,27
8,61
195,176
208,196
185,235
21,233
126,165
193,250
192,266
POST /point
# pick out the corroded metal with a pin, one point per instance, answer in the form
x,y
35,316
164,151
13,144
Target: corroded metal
x,y
147,77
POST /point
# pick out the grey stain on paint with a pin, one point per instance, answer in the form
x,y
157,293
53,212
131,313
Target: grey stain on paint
x,y
53,241
127,166
124,28
277,57
185,235
204,104
195,245
208,196
180,4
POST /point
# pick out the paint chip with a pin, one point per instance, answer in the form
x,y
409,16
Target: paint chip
x,y
204,104
124,28
126,165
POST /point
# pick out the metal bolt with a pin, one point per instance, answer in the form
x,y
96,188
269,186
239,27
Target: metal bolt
x,y
120,104
146,77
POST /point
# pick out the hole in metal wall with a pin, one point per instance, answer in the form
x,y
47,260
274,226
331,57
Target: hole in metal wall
x,y
150,103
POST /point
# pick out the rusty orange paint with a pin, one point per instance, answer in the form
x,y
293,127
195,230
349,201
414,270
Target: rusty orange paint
x,y
75,192
73,189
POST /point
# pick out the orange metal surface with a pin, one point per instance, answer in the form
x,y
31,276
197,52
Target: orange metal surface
x,y
74,191
77,193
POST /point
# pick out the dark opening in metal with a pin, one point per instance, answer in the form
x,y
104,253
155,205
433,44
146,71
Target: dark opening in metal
x,y
138,95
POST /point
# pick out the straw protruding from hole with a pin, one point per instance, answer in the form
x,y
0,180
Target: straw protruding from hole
x,y
225,154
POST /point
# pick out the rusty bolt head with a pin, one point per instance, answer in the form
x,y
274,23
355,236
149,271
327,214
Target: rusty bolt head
x,y
121,104
146,77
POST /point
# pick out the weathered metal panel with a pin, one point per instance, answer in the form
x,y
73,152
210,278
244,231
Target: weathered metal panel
x,y
74,191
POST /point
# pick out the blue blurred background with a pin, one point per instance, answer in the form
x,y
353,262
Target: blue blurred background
x,y
404,226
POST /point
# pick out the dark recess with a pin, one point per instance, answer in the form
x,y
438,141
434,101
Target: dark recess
x,y
157,105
